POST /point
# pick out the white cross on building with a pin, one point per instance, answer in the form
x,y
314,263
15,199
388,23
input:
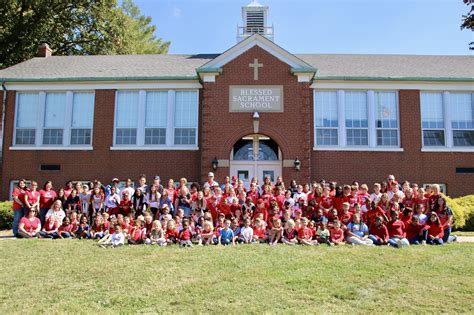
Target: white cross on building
x,y
255,65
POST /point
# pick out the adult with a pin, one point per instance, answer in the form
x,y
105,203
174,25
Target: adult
x,y
68,188
30,225
18,196
157,184
210,181
142,183
115,183
128,188
112,201
47,198
358,232
32,197
56,212
446,218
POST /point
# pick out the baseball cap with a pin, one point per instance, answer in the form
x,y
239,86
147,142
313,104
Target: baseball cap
x,y
210,174
157,177
115,179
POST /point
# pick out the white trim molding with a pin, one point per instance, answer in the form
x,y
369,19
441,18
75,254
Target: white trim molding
x,y
391,85
155,148
78,86
352,149
447,150
51,148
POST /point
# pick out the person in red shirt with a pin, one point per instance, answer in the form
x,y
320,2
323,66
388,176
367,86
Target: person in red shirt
x,y
50,229
305,235
374,212
346,216
337,234
47,198
138,234
185,235
406,215
435,230
260,231
261,209
68,189
415,232
18,196
378,232
172,233
65,230
290,235
29,226
32,197
125,206
396,231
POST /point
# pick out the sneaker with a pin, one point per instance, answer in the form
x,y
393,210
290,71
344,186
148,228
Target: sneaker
x,y
423,242
455,238
399,243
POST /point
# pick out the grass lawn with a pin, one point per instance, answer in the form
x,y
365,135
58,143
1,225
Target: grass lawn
x,y
463,233
76,276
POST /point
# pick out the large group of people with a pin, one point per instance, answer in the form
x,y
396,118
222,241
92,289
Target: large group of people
x,y
390,213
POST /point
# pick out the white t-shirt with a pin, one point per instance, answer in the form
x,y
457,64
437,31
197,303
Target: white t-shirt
x,y
112,201
246,233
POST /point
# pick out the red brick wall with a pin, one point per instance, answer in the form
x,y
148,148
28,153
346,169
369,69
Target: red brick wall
x,y
411,164
290,130
101,163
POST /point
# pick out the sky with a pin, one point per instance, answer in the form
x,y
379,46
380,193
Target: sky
x,y
421,27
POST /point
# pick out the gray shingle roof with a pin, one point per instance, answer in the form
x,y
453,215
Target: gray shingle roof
x,y
184,66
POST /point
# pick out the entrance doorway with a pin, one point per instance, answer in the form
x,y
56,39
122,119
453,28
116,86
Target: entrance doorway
x,y
255,156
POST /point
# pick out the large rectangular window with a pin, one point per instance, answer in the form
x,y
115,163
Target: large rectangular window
x,y
186,117
357,122
325,118
386,118
54,119
447,119
126,118
156,119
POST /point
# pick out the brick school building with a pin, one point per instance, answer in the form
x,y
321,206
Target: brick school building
x,y
256,109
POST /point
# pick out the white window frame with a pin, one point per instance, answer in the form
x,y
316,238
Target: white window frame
x,y
66,145
448,130
442,187
372,128
169,145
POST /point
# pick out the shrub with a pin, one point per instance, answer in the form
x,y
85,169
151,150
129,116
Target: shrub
x,y
6,215
467,203
458,213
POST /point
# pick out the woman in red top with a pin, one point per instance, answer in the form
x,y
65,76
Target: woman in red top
x,y
435,230
18,197
29,225
47,197
32,197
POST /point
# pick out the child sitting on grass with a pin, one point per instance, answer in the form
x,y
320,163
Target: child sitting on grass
x,y
323,236
157,235
116,239
207,233
305,235
185,235
226,235
337,233
290,234
246,233
276,232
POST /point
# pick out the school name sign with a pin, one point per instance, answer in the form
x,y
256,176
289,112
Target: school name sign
x,y
252,98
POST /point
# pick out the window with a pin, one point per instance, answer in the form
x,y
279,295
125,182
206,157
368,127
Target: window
x,y
356,120
387,118
185,117
156,119
54,119
325,118
447,119
127,118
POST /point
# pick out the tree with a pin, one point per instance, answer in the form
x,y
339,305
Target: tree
x,y
468,20
74,27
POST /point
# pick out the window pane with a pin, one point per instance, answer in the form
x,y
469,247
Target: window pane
x,y
80,136
83,110
461,110
463,138
356,109
54,110
326,137
155,136
326,109
27,110
387,112
433,138
185,136
186,109
156,113
126,136
127,110
432,110
357,137
53,136
25,136
387,137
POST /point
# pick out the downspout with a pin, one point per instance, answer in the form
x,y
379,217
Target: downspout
x,y
4,103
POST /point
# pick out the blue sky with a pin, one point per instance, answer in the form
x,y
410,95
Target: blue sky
x,y
422,27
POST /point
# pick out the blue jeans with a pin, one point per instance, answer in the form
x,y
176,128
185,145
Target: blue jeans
x,y
435,241
447,236
394,241
43,212
17,215
375,240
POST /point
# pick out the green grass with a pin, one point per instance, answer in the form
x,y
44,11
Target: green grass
x,y
76,276
463,233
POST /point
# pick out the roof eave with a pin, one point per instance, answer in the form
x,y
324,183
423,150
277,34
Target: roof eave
x,y
94,79
431,79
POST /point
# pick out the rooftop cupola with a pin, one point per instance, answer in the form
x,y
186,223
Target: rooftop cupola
x,y
255,21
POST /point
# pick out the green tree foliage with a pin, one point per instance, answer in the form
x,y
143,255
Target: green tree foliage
x,y
468,20
74,27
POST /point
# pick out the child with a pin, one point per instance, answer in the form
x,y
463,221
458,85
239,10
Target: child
x,y
375,196
138,234
125,206
305,235
84,197
276,232
172,233
323,235
65,230
98,228
346,216
378,232
185,235
260,232
415,232
157,235
50,229
246,233
290,235
117,239
83,228
435,230
72,202
207,233
396,231
226,235
337,233
420,213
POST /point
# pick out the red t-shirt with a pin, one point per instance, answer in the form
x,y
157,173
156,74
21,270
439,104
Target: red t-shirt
x,y
30,226
325,202
371,215
33,196
413,231
436,230
259,232
65,228
125,207
185,235
20,194
337,235
380,231
47,198
396,228
305,233
171,233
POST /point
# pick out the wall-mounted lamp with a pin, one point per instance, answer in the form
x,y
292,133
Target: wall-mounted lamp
x,y
256,118
297,164
215,163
